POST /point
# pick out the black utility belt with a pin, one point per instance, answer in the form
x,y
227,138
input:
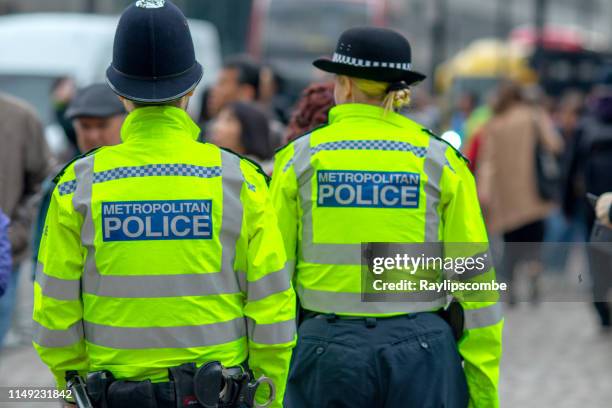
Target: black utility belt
x,y
210,386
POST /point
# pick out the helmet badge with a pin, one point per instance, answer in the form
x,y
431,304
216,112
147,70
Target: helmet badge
x,y
150,4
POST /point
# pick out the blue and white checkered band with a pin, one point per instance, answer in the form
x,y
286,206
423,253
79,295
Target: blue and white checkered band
x,y
358,62
150,4
149,170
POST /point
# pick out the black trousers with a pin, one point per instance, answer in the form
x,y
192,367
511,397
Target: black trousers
x,y
408,361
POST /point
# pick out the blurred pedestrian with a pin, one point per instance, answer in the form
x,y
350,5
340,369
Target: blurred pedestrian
x,y
24,163
6,262
311,111
97,115
567,223
423,110
508,181
62,92
238,81
273,95
466,104
589,165
244,129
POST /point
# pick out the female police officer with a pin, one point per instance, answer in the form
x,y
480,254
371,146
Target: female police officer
x,y
371,175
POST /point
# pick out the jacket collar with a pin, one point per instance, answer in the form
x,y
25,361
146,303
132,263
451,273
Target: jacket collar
x,y
158,121
359,111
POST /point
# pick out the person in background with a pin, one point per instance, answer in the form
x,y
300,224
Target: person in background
x,y
589,165
423,110
97,115
507,180
465,106
311,110
24,163
5,253
272,96
238,81
244,129
567,223
62,92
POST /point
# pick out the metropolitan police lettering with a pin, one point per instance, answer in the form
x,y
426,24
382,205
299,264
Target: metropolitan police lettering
x,y
156,220
370,189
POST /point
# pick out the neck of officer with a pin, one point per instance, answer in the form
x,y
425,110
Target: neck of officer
x,y
181,103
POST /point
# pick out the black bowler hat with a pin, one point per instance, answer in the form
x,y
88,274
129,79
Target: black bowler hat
x,y
94,101
153,56
378,54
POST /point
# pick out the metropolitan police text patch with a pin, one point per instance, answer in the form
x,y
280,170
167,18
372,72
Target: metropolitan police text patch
x,y
371,189
157,220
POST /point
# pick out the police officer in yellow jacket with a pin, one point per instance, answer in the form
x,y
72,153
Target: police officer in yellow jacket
x,y
161,254
373,176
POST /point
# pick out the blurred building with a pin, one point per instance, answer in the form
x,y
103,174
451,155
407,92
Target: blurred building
x,y
437,28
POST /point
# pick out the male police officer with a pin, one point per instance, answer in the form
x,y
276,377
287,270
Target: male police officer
x,y
161,251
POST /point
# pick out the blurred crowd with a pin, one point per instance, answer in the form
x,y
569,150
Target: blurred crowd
x,y
534,158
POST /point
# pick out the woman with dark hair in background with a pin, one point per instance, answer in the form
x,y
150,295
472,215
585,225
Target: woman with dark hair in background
x,y
311,110
245,129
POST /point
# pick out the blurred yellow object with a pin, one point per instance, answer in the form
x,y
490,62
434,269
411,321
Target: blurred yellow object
x,y
487,58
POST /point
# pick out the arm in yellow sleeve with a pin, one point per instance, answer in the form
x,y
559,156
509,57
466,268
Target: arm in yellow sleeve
x,y
284,191
481,344
270,304
58,308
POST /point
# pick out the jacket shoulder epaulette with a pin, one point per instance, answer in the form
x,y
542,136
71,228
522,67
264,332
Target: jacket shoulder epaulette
x,y
301,136
59,175
257,167
435,136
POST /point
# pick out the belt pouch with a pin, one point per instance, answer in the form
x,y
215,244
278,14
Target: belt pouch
x,y
129,394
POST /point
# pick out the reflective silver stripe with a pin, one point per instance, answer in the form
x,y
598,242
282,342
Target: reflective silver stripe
x,y
81,200
332,254
57,338
165,337
272,333
486,316
56,288
158,286
351,303
434,164
272,283
231,222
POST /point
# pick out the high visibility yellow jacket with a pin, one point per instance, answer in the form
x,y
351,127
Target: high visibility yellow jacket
x,y
162,251
371,177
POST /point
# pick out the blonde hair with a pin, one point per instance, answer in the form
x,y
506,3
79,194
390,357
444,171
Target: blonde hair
x,y
390,101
